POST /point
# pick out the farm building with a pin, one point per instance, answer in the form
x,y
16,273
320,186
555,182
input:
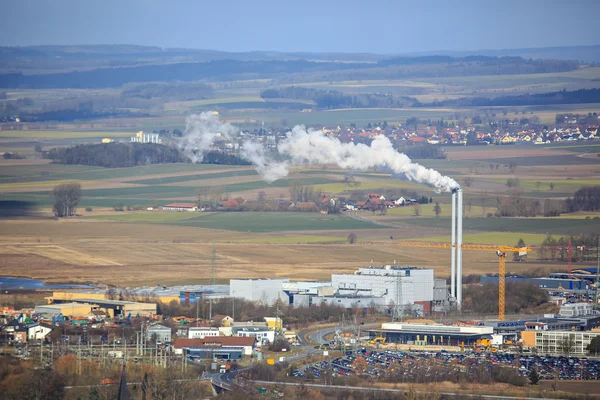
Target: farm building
x,y
180,207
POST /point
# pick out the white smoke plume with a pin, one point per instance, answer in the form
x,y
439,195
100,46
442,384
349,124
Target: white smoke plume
x,y
302,147
201,131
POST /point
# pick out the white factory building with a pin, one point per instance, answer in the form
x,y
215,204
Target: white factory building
x,y
393,284
267,291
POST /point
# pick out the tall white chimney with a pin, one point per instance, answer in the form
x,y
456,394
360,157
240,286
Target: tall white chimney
x,y
453,249
459,229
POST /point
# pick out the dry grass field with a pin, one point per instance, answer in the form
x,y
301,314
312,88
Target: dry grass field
x,y
126,253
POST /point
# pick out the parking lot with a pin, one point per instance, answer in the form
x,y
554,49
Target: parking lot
x,y
442,365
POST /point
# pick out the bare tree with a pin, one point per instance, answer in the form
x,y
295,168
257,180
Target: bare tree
x,y
483,200
352,238
66,199
468,181
437,209
416,210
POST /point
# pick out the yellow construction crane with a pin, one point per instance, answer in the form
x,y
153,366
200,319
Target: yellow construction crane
x,y
501,252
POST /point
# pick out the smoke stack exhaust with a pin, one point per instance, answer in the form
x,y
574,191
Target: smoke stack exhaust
x,y
453,249
459,234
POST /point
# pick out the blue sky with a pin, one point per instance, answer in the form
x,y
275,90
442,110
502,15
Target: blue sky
x,y
374,26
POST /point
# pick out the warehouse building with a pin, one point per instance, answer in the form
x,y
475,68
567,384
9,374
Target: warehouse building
x,y
560,284
422,335
265,290
72,309
112,307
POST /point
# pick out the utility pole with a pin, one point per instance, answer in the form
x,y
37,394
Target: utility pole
x,y
213,277
597,274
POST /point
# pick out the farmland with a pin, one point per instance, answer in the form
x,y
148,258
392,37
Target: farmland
x,y
103,245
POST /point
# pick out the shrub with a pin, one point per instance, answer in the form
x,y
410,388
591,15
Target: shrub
x,y
88,209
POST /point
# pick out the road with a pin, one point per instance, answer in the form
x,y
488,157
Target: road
x,y
373,389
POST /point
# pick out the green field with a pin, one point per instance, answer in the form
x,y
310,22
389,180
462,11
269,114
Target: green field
x,y
496,238
151,216
567,185
275,221
196,177
66,134
426,210
553,226
31,173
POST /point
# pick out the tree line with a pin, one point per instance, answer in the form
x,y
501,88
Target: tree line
x,y
115,155
562,97
583,248
337,99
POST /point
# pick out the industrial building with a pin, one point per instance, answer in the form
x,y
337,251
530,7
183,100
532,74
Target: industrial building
x,y
83,306
186,294
422,335
223,347
556,284
394,284
404,288
571,317
265,290
71,309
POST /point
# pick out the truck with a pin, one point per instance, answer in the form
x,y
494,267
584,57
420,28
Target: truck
x,y
377,340
223,369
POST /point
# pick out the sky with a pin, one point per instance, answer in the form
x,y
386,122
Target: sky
x,y
373,26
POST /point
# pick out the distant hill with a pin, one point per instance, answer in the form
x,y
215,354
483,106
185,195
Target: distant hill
x,y
583,54
84,57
